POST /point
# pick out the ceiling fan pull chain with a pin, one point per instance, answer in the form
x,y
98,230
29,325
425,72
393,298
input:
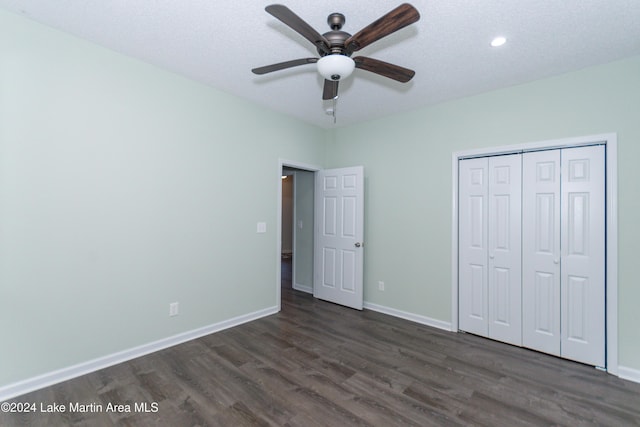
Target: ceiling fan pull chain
x,y
335,102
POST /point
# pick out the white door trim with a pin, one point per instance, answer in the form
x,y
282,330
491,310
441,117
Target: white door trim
x,y
296,165
610,140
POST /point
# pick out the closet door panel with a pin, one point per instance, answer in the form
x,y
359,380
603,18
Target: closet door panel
x,y
472,231
504,248
583,257
541,251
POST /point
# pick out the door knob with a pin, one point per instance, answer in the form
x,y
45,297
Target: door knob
x,y
358,244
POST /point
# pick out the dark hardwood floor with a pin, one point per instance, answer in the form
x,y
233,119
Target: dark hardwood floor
x,y
319,364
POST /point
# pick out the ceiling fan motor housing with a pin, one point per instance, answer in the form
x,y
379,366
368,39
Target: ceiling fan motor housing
x,y
335,37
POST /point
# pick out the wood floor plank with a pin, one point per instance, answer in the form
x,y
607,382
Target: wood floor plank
x,y
421,412
320,364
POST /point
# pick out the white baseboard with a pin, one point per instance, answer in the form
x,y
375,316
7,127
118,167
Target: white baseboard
x,y
16,389
424,320
629,374
303,288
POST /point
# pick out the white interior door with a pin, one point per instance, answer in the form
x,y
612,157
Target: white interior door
x,y
583,255
504,247
339,219
541,251
473,254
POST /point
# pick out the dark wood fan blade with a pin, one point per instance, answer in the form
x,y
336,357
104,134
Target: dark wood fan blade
x,y
398,18
330,90
385,69
286,15
282,65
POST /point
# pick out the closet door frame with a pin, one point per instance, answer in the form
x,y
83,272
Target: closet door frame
x,y
610,142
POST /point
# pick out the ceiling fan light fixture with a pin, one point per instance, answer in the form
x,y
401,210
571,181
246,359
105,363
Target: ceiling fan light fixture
x,y
336,66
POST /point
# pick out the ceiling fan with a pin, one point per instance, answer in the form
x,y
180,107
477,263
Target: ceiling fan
x,y
335,47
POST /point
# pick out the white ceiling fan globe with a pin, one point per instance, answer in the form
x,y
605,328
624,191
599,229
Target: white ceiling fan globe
x,y
335,67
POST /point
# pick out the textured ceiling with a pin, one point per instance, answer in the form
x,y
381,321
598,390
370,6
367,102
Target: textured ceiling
x,y
218,42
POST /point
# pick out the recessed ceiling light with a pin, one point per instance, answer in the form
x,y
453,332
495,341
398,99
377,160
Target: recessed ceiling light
x,y
498,41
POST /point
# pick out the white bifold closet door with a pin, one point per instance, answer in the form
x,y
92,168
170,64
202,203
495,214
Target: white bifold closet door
x,y
564,253
490,247
541,251
532,250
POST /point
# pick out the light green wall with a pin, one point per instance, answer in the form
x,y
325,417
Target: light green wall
x,y
120,192
407,161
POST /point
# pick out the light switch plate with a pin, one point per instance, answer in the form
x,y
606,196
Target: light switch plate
x,y
173,309
262,227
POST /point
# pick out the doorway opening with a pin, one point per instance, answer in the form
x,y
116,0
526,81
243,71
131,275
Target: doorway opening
x,y
295,227
287,232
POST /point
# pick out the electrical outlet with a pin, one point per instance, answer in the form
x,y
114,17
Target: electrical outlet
x,y
381,285
173,309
